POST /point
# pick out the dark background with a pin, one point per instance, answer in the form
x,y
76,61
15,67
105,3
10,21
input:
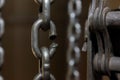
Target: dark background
x,y
19,15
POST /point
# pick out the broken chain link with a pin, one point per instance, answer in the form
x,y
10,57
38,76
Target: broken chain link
x,y
2,26
44,54
74,30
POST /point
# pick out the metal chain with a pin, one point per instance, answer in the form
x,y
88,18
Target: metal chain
x,y
44,54
74,30
95,24
2,25
99,23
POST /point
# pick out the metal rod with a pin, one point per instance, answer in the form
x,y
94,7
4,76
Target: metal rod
x,y
113,18
114,64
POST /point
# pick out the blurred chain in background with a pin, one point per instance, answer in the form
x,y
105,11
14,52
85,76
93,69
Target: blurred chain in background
x,y
2,26
73,35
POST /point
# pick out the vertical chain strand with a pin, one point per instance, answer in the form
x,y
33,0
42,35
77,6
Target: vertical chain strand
x,y
2,25
44,54
74,31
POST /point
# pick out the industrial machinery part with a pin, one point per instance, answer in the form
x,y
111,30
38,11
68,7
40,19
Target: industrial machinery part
x,y
101,57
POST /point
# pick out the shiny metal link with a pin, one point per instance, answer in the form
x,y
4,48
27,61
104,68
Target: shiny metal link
x,y
39,77
1,56
44,72
74,30
44,54
45,63
2,26
44,12
34,37
40,1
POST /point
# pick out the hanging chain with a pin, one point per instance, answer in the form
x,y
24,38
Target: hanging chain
x,y
74,30
96,33
2,25
44,54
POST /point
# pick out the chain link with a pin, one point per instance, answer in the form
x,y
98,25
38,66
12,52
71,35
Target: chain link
x,y
44,54
99,25
2,25
74,30
95,27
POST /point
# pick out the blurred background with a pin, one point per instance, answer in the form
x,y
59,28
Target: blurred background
x,y
19,15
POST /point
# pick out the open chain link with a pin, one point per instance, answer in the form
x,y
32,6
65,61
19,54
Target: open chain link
x,y
74,30
44,54
2,25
